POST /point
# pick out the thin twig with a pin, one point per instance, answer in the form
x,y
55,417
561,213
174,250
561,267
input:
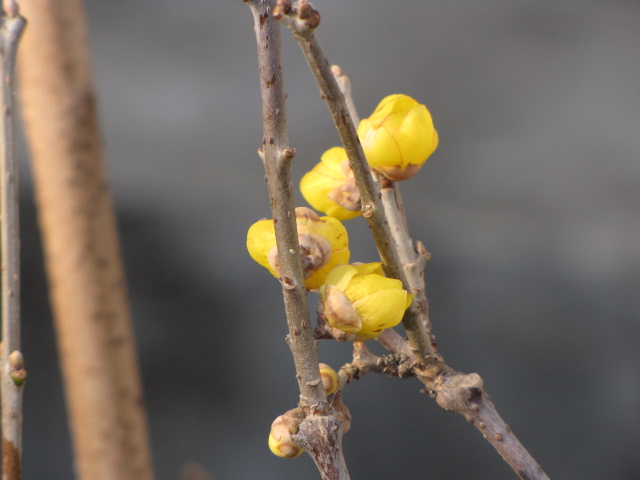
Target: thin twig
x,y
465,394
277,157
302,20
320,433
393,364
413,259
13,372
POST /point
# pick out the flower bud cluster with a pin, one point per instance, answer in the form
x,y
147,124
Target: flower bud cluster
x,y
357,302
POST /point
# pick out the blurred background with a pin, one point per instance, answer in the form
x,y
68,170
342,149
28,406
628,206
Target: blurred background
x,y
530,208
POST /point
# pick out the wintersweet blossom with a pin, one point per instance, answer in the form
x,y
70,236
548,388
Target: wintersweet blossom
x,y
330,187
360,301
323,245
398,137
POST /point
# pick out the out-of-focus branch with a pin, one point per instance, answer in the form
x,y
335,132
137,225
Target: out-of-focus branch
x,y
82,252
320,433
11,360
302,19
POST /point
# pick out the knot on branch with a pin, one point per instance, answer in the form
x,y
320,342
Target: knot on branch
x,y
302,18
320,435
397,364
459,392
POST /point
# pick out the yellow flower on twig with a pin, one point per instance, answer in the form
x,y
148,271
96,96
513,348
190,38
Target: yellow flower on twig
x,y
360,301
398,137
323,245
331,188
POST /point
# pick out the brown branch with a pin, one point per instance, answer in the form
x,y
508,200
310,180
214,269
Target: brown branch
x,y
12,362
320,433
394,364
86,279
321,437
465,394
302,20
277,157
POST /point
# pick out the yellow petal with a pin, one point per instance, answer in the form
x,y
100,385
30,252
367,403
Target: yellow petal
x,y
333,230
383,309
409,300
260,238
415,136
390,106
379,146
340,276
362,286
332,160
317,185
367,268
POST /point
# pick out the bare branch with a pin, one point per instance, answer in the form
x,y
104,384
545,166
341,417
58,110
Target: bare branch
x,y
320,433
277,157
302,19
394,364
466,395
12,362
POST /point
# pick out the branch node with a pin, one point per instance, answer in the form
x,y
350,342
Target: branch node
x,y
367,210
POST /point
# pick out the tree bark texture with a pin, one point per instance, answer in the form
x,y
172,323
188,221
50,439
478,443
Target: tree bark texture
x,y
84,267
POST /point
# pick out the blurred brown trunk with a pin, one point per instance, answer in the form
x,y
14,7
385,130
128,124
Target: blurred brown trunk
x,y
86,280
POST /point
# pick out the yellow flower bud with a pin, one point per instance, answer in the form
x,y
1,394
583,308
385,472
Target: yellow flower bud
x,y
330,380
280,441
323,245
360,300
398,137
331,188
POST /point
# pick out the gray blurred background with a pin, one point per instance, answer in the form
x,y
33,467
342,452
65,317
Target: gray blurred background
x,y
530,208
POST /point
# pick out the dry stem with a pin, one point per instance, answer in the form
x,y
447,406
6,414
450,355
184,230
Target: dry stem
x,y
86,279
320,433
12,362
277,157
